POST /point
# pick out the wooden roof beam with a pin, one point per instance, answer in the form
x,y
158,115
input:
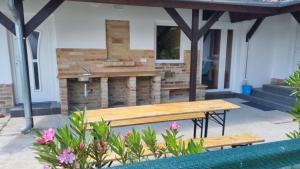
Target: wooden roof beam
x,y
7,23
212,19
41,16
296,15
254,28
180,22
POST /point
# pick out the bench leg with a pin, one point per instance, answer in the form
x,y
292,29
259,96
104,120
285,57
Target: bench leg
x,y
110,163
242,145
195,128
206,124
198,123
219,118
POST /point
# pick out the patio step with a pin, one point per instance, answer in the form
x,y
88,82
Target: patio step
x,y
277,89
38,109
268,103
273,96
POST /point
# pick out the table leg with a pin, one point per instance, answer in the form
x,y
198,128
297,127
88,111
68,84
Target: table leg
x,y
206,124
195,127
224,120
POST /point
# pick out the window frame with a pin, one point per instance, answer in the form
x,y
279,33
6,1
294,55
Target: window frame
x,y
168,23
37,61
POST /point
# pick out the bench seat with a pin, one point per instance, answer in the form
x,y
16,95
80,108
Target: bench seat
x,y
211,142
157,119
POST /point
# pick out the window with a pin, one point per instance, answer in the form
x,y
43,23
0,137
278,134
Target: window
x,y
167,43
33,40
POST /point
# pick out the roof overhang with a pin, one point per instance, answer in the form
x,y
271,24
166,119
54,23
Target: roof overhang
x,y
267,8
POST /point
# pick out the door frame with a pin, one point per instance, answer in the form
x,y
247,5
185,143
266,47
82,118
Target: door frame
x,y
224,27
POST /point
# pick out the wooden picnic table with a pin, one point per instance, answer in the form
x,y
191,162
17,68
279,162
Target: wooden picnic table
x,y
157,113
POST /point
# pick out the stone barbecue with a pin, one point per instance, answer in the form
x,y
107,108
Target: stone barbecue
x,y
118,75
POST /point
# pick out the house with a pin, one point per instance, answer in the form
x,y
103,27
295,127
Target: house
x,y
136,53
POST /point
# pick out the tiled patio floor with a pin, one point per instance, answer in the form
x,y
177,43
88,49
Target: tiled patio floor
x,y
16,152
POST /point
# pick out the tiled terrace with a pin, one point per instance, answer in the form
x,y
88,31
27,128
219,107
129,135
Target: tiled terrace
x,y
272,125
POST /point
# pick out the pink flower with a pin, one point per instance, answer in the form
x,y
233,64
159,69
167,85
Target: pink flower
x,y
46,167
47,138
66,157
49,135
174,126
81,146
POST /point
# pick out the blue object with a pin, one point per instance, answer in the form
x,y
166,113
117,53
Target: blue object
x,y
246,90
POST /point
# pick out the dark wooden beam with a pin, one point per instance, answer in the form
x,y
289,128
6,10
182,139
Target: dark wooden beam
x,y
296,15
180,22
192,4
239,17
212,19
7,23
194,55
42,15
253,29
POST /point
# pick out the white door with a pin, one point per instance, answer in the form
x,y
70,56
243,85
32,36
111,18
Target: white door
x,y
216,60
40,69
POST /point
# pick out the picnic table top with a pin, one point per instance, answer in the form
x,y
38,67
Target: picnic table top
x,y
147,111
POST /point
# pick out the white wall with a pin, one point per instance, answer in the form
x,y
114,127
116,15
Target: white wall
x,y
5,75
272,52
82,29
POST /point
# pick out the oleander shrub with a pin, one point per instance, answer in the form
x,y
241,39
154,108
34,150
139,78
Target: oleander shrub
x,y
81,146
293,81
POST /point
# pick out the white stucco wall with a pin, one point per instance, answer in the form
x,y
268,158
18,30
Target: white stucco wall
x,y
5,75
273,49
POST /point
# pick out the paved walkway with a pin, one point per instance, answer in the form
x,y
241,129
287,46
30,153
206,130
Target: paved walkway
x,y
16,152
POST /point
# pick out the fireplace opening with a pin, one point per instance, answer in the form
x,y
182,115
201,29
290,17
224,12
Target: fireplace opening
x,y
117,91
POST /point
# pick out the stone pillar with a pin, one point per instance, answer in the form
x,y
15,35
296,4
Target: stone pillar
x,y
155,90
131,91
63,91
200,95
6,97
104,92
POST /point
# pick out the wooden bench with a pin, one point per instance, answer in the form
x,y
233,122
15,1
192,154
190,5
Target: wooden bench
x,y
210,142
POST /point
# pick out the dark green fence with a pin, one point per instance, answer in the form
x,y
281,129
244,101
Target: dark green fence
x,y
276,155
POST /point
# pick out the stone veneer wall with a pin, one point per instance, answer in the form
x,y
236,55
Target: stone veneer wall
x,y
6,97
176,73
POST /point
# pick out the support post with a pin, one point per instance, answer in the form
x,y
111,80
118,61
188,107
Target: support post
x,y
194,55
16,7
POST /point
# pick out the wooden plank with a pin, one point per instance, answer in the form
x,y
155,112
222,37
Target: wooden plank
x,y
253,28
213,19
137,112
41,16
194,55
180,22
210,142
7,23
